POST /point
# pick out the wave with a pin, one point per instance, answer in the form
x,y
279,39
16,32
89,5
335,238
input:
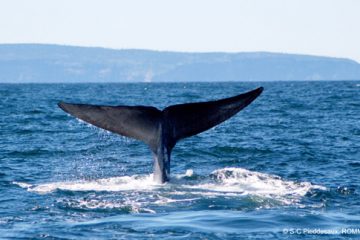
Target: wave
x,y
244,182
255,183
188,187
113,184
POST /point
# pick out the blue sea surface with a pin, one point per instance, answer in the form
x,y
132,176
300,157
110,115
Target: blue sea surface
x,y
287,166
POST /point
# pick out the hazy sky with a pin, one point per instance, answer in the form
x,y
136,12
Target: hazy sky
x,y
319,27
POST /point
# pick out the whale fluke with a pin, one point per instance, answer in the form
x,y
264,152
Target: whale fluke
x,y
160,130
192,118
138,122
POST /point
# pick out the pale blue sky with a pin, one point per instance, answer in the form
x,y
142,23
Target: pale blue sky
x,y
319,27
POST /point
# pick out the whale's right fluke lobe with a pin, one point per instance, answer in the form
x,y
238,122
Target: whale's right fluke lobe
x,y
192,118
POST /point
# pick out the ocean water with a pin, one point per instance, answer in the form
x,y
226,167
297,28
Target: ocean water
x,y
287,166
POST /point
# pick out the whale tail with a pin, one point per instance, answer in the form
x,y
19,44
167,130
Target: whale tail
x,y
138,122
192,118
160,129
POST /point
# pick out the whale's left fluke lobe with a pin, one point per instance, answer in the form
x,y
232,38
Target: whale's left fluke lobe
x,y
138,122
161,129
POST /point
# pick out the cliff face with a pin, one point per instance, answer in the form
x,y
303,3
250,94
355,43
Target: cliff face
x,y
54,63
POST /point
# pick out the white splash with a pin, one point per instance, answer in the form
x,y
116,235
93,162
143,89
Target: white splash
x,y
188,173
229,182
239,181
113,184
132,206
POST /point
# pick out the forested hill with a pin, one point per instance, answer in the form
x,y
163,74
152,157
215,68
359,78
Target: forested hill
x,y
55,63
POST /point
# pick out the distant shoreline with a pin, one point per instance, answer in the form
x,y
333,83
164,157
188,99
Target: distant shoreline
x,y
37,63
